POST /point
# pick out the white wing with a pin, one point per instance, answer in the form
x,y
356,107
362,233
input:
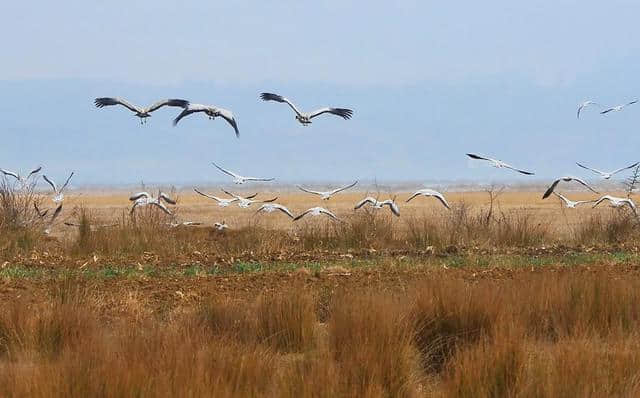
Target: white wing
x,y
279,98
53,184
166,198
310,191
258,179
168,102
335,191
284,210
139,195
217,199
227,172
549,190
393,206
108,101
228,116
67,182
299,216
508,166
625,168
342,112
162,207
34,171
184,113
10,173
364,201
478,157
578,180
594,170
328,213
564,199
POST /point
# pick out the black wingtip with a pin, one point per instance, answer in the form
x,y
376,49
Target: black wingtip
x,y
271,97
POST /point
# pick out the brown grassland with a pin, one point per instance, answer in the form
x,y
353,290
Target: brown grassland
x,y
522,299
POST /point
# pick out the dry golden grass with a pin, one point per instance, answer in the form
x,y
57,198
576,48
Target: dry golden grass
x,y
353,324
543,334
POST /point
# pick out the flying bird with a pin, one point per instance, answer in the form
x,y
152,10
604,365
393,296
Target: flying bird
x,y
305,118
43,214
211,111
618,108
499,164
326,195
58,192
316,211
430,192
553,186
222,202
142,199
238,179
22,180
617,202
606,175
376,204
246,202
271,207
142,113
586,104
570,204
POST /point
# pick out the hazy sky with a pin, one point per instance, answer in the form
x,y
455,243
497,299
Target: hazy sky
x,y
428,80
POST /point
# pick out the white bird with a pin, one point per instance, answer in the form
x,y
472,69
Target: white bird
x,y
271,207
43,214
22,180
570,203
238,179
58,192
222,202
211,111
376,204
316,211
618,108
142,113
553,186
175,224
430,192
142,199
617,202
606,175
326,195
499,164
220,226
586,104
305,118
246,202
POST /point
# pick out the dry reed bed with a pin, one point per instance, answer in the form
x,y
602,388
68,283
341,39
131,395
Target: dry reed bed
x,y
536,334
463,228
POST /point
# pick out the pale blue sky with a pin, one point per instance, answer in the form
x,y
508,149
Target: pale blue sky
x,y
428,80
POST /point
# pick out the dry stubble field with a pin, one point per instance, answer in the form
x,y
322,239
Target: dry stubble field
x,y
530,300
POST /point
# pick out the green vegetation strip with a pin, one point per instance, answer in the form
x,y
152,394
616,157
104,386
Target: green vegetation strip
x,y
109,271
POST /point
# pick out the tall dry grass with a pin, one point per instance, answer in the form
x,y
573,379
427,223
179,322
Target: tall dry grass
x,y
462,228
545,334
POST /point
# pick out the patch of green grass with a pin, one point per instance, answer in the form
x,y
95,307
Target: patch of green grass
x,y
21,272
243,267
192,270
